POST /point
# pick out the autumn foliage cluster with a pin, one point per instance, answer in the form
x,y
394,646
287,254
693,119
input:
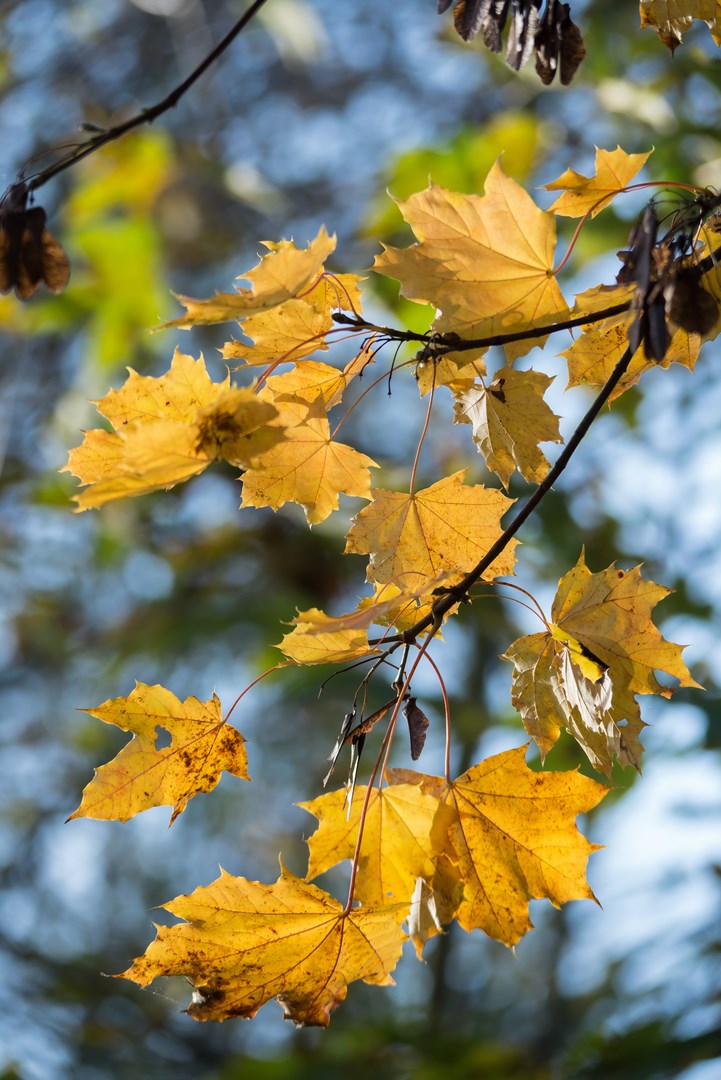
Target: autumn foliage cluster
x,y
424,850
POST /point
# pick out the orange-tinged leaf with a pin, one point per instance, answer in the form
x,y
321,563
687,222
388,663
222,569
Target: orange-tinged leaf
x,y
583,674
448,526
486,262
280,275
243,943
509,420
671,18
202,746
297,327
590,194
512,838
308,468
396,847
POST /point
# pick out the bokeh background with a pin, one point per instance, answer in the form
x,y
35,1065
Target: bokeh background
x,y
312,114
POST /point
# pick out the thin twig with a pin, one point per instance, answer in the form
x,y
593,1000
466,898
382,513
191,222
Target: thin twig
x,y
147,116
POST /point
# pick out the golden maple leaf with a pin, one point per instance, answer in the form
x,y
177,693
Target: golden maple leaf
x,y
457,371
141,776
176,395
392,605
318,639
297,327
446,527
601,649
485,261
309,467
280,275
509,420
671,18
309,379
244,943
169,429
594,354
396,848
590,194
510,837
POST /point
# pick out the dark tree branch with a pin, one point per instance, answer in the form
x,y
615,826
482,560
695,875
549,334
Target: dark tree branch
x,y
446,343
147,116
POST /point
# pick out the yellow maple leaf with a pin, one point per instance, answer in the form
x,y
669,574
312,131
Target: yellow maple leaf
x,y
310,379
169,429
671,18
141,776
457,371
509,420
297,327
610,614
593,356
511,838
486,262
448,526
601,649
554,688
308,468
391,605
244,943
590,194
322,639
176,395
280,275
396,848
319,639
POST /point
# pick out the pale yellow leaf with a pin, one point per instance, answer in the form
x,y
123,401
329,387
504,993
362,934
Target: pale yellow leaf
x,y
583,674
310,643
177,395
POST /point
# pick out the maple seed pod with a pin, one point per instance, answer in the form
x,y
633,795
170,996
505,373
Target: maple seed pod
x,y
417,726
688,304
29,253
